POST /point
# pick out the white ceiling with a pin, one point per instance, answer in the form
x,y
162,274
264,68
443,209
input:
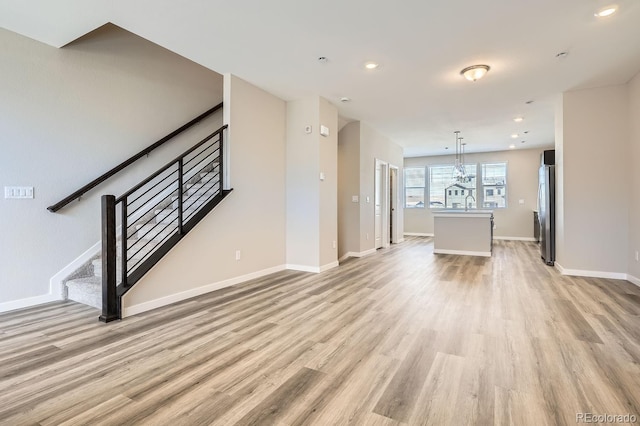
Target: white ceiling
x,y
416,97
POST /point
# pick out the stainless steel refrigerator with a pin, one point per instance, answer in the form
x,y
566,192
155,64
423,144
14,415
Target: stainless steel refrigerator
x,y
547,206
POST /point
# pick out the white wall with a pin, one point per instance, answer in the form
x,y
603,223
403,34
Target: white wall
x,y
374,145
359,147
303,189
633,162
560,185
348,186
515,221
595,175
328,150
311,203
68,115
251,219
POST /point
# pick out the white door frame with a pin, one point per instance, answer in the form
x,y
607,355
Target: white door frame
x,y
393,202
381,204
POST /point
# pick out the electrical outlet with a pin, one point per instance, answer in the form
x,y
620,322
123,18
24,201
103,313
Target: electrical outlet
x,y
367,236
237,254
494,226
637,256
334,244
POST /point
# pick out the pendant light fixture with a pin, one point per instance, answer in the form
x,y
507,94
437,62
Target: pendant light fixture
x,y
459,172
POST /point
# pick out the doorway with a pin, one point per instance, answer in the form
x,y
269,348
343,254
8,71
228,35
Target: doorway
x,y
386,204
393,204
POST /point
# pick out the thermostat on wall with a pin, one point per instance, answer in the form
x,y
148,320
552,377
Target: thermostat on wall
x,y
324,130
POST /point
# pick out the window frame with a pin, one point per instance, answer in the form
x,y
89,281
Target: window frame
x,y
424,186
505,185
470,167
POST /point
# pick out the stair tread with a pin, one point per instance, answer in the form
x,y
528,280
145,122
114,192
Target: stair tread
x,y
90,280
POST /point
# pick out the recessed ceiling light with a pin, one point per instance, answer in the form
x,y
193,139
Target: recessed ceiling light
x,y
522,141
344,99
562,55
515,135
512,146
475,72
526,131
606,11
322,59
529,102
371,65
518,119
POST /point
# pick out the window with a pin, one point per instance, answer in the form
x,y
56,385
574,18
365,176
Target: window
x,y
494,185
445,192
414,178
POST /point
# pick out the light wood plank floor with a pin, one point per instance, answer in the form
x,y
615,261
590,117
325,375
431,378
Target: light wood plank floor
x,y
399,337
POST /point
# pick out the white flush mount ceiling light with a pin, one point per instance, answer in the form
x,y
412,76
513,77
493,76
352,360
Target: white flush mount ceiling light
x,y
606,11
371,65
514,136
512,146
518,119
475,72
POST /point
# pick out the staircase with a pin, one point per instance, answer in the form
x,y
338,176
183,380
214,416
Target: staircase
x,y
145,234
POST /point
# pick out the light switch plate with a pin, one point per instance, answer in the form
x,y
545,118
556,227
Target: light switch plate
x,y
355,199
324,131
18,192
521,201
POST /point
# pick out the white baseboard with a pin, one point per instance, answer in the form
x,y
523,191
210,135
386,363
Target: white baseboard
x,y
357,254
328,266
55,283
633,280
28,302
592,274
463,252
495,237
128,311
303,268
418,234
313,269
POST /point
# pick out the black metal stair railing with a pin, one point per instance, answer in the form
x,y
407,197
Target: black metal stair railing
x,y
76,195
155,215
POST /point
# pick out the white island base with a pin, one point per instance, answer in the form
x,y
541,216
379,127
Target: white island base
x,y
461,232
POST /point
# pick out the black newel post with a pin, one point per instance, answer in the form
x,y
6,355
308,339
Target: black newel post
x,y
109,299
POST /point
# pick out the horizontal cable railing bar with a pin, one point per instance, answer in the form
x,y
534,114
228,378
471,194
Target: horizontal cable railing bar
x,y
186,172
208,184
157,194
130,202
173,162
196,155
157,243
97,181
149,210
202,195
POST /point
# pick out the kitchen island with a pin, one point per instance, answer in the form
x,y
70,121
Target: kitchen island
x,y
463,232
